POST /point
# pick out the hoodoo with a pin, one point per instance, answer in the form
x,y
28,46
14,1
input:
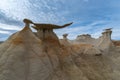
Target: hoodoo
x,y
105,42
65,36
24,56
45,31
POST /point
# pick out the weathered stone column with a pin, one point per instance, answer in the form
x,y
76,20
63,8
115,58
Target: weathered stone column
x,y
65,36
105,43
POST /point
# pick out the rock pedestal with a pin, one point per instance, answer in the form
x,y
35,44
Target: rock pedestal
x,y
105,42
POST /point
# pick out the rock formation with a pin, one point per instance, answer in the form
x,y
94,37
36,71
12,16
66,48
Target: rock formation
x,y
23,57
85,38
27,55
65,36
105,42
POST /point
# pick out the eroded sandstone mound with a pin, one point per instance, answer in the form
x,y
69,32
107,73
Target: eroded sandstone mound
x,y
42,56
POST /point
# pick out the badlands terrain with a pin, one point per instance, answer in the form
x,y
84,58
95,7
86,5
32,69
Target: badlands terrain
x,y
41,55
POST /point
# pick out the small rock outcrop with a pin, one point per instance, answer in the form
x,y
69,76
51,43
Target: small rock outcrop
x,y
65,36
105,42
85,38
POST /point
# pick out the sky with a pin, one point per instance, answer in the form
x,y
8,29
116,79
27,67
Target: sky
x,y
88,16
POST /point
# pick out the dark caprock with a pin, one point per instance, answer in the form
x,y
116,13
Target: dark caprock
x,y
45,26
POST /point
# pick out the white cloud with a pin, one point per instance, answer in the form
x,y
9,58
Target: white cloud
x,y
5,32
3,38
78,30
116,33
36,10
16,9
72,31
9,27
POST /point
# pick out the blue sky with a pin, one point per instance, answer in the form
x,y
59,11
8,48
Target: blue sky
x,y
89,16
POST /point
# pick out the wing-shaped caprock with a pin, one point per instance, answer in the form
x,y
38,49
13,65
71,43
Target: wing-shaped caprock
x,y
65,25
45,26
49,26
